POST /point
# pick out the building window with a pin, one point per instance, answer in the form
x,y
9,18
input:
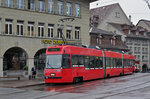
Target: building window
x,y
145,34
8,27
117,14
77,10
51,30
77,33
68,32
113,41
129,32
20,4
41,30
137,33
41,5
31,5
99,41
30,29
146,49
69,9
51,6
9,3
60,7
20,28
59,33
135,49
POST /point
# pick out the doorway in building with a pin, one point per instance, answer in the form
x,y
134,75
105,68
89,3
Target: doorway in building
x,y
39,61
144,68
14,61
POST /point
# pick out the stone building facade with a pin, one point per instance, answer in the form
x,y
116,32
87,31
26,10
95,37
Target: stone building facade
x,y
107,40
28,27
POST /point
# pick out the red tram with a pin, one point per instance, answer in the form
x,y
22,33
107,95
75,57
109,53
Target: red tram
x,y
66,64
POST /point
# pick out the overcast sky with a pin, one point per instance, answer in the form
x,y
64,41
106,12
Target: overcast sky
x,y
138,9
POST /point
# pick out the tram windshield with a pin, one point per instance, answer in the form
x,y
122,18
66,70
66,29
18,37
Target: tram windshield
x,y
57,61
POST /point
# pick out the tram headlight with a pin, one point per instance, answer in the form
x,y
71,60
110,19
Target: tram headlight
x,y
52,74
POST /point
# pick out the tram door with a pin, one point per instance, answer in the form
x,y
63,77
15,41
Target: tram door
x,y
77,65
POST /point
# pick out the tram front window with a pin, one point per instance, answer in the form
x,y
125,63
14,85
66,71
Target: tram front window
x,y
53,61
57,61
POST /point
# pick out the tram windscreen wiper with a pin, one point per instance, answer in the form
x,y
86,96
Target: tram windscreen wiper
x,y
49,66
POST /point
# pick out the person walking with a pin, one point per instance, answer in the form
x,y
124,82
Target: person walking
x,y
33,72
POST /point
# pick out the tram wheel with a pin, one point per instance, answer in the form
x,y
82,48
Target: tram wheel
x,y
75,80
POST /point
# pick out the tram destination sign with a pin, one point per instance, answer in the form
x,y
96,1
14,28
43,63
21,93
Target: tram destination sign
x,y
53,49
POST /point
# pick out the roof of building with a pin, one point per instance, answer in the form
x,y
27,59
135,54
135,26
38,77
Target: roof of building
x,y
102,32
102,12
145,21
137,28
92,0
110,47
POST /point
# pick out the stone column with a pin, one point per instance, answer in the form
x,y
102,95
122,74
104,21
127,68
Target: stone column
x,y
26,4
30,64
36,5
46,5
1,66
36,29
15,4
46,30
3,25
64,7
26,27
73,32
55,6
14,26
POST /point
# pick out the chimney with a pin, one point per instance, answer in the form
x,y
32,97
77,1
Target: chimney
x,y
130,19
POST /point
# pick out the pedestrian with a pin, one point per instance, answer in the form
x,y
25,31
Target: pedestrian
x,y
33,72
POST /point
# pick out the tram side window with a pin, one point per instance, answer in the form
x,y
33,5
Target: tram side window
x,y
113,63
107,62
92,62
86,61
119,62
74,60
125,63
110,63
133,62
99,62
81,61
66,61
130,63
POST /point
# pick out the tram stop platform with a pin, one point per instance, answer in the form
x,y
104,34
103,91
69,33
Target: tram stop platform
x,y
15,83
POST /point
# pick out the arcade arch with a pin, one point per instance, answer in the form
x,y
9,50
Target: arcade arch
x,y
39,60
15,58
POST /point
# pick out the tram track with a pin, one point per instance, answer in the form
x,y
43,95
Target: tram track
x,y
102,95
92,83
126,91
